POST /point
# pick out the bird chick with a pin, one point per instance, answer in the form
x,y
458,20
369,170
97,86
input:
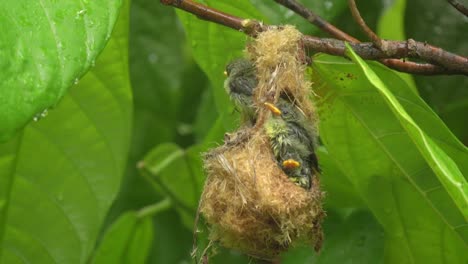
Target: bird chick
x,y
292,139
240,84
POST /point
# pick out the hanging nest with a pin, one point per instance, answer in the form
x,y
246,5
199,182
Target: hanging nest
x,y
248,201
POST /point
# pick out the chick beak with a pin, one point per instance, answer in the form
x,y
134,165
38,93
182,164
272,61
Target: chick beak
x,y
275,110
225,73
291,164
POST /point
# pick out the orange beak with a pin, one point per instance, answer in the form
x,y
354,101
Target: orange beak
x,y
291,164
273,108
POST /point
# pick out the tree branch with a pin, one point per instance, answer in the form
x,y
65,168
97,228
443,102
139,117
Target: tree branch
x,y
460,7
403,66
313,18
370,34
452,63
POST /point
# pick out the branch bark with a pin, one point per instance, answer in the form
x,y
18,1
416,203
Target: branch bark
x,y
403,66
451,63
460,7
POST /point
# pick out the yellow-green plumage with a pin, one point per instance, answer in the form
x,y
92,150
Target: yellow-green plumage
x,y
292,137
291,134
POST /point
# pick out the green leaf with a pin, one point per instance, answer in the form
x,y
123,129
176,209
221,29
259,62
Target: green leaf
x,y
339,191
169,169
156,93
166,85
172,241
157,90
447,95
163,111
129,239
444,167
213,45
360,131
391,25
46,47
355,238
66,168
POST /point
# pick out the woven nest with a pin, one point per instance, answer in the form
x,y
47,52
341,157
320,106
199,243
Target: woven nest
x,y
248,201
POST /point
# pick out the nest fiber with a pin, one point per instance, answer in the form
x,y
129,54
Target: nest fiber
x,y
248,201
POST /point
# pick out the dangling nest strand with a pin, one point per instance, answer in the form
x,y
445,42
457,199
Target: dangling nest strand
x,y
248,201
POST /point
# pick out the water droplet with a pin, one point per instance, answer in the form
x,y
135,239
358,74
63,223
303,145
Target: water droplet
x,y
44,113
288,14
76,81
60,197
328,5
80,13
194,44
153,58
93,63
40,115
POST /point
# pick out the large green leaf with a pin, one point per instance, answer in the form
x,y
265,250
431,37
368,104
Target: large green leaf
x,y
127,233
354,238
447,95
166,85
66,168
163,75
421,222
391,25
129,239
45,47
444,167
339,192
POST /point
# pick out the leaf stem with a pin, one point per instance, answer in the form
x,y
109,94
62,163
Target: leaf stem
x,y
155,182
155,208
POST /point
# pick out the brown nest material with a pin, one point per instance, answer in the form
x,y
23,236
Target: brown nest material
x,y
248,201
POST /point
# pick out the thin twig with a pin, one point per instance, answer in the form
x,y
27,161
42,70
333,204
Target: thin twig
x,y
452,63
367,30
460,7
315,19
403,66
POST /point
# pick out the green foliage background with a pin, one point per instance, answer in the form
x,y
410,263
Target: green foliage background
x,y
71,190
